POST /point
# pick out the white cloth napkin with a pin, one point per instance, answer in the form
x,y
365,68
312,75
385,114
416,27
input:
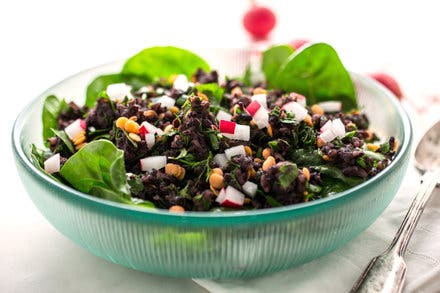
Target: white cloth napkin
x,y
337,271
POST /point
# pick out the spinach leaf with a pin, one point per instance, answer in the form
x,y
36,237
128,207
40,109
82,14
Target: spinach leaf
x,y
331,186
336,173
100,83
65,139
287,174
272,60
316,72
211,90
51,110
374,155
156,62
306,157
98,169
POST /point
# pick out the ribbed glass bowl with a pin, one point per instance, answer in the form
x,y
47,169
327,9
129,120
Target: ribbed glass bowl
x,y
203,244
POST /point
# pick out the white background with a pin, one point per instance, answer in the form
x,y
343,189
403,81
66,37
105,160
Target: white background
x,y
42,42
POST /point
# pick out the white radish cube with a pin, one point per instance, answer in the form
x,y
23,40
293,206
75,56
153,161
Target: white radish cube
x,y
327,125
150,139
250,188
328,135
74,128
118,91
338,128
261,118
260,98
52,164
165,101
235,151
296,109
221,160
222,115
221,196
147,127
153,162
181,83
242,132
331,106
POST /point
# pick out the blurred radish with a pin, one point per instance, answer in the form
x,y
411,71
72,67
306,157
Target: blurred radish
x,y
165,101
331,106
298,43
235,151
389,82
259,21
296,109
230,197
153,162
222,115
73,129
261,98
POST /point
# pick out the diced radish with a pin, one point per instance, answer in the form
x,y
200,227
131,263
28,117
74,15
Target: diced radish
x,y
261,118
250,188
261,98
235,151
221,196
221,160
327,125
328,135
74,128
227,126
147,127
338,128
253,107
118,91
222,115
331,106
296,109
233,198
52,164
153,162
300,99
165,101
242,132
181,83
150,139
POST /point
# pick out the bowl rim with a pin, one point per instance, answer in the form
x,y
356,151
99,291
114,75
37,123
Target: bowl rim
x,y
207,218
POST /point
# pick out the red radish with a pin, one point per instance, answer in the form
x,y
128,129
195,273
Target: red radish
x,y
259,21
221,160
331,106
74,128
327,125
165,101
232,198
153,162
250,188
296,109
261,98
118,91
222,115
253,107
389,82
235,151
52,164
297,43
150,139
181,83
227,126
338,128
149,128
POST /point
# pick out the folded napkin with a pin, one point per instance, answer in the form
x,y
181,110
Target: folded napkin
x,y
338,271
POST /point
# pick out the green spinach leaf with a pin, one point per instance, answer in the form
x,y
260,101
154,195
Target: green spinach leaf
x,y
65,139
316,72
336,173
52,107
98,169
212,90
272,60
156,62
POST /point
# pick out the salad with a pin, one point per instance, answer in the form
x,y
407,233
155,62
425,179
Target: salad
x,y
169,132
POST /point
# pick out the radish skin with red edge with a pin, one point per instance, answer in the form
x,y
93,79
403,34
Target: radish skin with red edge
x,y
221,196
331,106
253,107
147,127
227,126
74,128
52,164
233,198
153,162
235,151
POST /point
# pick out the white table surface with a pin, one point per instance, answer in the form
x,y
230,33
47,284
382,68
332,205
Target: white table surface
x,y
42,42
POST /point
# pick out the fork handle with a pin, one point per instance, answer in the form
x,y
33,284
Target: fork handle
x,y
386,272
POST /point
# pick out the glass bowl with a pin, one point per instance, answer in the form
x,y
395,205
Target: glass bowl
x,y
239,244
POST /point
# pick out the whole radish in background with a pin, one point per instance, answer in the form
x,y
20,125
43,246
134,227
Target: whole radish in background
x,y
259,21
